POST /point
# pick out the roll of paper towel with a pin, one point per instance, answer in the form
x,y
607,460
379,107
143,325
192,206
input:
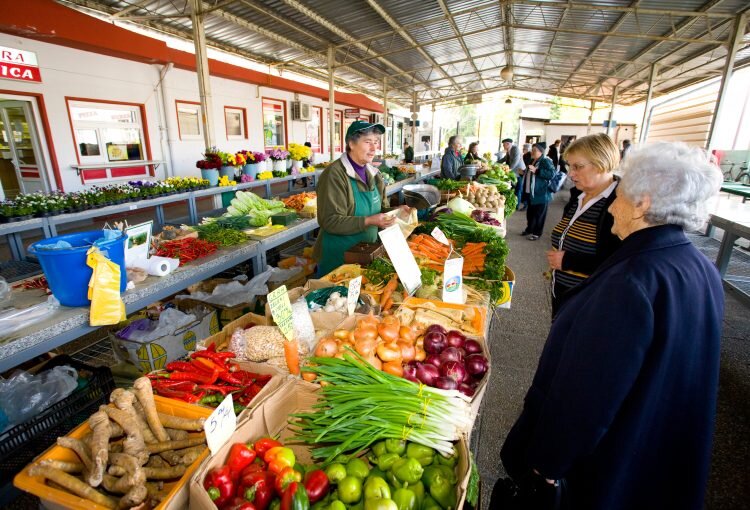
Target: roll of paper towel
x,y
159,268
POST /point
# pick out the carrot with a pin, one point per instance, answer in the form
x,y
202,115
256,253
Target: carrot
x,y
387,306
291,354
388,290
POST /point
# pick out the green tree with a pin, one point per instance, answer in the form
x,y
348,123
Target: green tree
x,y
556,109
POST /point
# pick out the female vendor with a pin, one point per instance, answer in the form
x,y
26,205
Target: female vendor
x,y
351,198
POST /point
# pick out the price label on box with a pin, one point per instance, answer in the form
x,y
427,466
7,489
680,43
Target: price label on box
x,y
281,310
352,296
220,426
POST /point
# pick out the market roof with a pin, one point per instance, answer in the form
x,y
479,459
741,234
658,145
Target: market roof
x,y
454,50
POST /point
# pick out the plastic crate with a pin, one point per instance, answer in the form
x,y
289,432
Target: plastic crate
x,y
20,444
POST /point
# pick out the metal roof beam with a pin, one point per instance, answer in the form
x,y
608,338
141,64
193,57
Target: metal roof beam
x,y
130,8
461,40
616,8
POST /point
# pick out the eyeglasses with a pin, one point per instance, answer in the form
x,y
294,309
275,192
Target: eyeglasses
x,y
579,166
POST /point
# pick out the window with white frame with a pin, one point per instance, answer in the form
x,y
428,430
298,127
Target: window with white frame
x,y
189,120
274,123
236,122
107,133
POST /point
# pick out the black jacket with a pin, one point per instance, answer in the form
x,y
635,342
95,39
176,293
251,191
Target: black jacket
x,y
409,154
553,155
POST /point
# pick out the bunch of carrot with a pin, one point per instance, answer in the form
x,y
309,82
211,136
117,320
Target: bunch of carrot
x,y
474,256
428,248
386,301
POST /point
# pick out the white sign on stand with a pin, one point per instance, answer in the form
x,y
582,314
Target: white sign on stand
x,y
220,426
440,236
453,280
352,296
403,259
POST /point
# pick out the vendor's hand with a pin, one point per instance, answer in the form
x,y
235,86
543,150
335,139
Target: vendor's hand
x,y
405,209
555,258
381,220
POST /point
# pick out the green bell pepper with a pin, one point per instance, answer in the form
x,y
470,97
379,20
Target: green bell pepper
x,y
359,505
448,473
448,461
386,461
418,490
395,446
430,475
357,467
336,472
393,481
375,472
444,493
350,490
378,448
430,503
380,504
336,505
408,470
376,487
423,454
405,499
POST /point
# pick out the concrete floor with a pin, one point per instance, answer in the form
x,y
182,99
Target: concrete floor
x,y
518,335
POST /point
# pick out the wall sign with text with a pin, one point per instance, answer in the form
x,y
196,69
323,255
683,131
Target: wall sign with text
x,y
19,65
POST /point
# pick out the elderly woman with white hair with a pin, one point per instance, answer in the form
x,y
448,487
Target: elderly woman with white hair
x,y
621,410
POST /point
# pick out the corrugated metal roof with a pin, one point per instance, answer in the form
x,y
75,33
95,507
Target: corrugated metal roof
x,y
575,48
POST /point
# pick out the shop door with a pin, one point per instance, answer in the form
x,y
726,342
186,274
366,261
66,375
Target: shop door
x,y
21,164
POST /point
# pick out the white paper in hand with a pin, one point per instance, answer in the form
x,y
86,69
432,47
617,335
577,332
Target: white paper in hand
x,y
220,426
352,296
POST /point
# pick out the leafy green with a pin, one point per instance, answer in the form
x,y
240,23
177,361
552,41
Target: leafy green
x,y
472,489
450,184
257,209
215,233
428,276
379,271
511,201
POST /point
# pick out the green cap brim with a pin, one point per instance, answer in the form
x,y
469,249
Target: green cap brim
x,y
360,125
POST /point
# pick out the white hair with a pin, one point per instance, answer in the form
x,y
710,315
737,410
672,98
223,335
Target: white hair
x,y
679,180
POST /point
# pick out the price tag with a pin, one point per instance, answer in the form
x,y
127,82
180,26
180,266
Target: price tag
x,y
133,207
402,258
220,426
355,285
453,280
439,236
281,310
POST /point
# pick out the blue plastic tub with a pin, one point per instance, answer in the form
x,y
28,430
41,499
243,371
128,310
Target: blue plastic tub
x,y
66,270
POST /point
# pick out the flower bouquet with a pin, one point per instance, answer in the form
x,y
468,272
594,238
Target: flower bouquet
x,y
278,155
209,166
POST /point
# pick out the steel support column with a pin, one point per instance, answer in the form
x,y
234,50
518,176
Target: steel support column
x,y
386,149
591,116
612,111
738,32
414,116
651,76
201,68
332,104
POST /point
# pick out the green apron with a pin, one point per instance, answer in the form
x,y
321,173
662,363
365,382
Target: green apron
x,y
366,203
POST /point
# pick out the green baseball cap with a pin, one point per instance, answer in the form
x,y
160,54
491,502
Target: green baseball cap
x,y
361,125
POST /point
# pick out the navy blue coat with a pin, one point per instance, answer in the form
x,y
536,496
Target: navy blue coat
x,y
623,401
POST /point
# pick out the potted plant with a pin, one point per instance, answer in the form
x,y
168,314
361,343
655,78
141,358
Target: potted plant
x,y
297,153
278,155
209,166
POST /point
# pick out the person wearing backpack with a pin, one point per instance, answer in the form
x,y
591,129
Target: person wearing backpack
x,y
536,185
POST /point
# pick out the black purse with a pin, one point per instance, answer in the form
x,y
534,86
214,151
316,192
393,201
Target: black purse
x,y
531,493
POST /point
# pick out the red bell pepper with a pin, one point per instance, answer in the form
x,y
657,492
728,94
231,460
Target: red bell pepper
x,y
219,485
241,455
264,444
286,477
256,486
316,485
278,458
295,498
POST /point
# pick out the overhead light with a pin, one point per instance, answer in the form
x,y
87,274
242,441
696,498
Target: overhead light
x,y
506,73
508,101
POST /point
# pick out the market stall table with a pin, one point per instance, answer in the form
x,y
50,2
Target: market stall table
x,y
734,219
736,188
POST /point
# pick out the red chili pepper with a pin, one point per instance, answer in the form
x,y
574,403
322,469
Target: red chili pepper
x,y
174,385
185,366
199,378
230,378
219,357
221,389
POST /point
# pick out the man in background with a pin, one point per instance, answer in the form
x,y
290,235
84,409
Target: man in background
x,y
514,160
408,153
554,153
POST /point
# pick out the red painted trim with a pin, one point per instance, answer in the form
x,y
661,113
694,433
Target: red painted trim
x,y
129,171
33,175
244,119
144,126
177,114
93,174
47,133
48,21
286,122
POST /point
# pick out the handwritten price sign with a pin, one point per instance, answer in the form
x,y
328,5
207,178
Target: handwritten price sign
x,y
281,310
355,285
221,425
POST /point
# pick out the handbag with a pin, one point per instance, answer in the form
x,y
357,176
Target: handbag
x,y
530,493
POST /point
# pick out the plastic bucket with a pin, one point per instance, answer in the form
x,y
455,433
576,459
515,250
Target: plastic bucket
x,y
66,270
211,175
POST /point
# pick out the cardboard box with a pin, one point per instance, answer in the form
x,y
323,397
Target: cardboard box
x,y
154,355
53,498
270,419
221,338
509,281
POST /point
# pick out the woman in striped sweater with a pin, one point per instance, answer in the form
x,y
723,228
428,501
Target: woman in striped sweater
x,y
583,239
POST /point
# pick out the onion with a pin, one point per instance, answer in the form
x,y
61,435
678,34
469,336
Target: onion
x,y
466,389
476,365
394,368
455,370
434,342
309,376
388,332
451,354
406,333
369,320
365,346
472,347
446,383
455,339
410,370
427,374
435,327
419,354
341,334
327,348
389,352
434,360
407,350
374,361
365,332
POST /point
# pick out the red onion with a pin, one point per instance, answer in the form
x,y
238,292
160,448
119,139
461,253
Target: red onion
x,y
427,374
476,365
434,342
451,354
455,339
434,360
466,389
410,371
455,370
472,347
446,383
435,327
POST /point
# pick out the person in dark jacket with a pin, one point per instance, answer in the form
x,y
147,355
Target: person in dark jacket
x,y
583,238
554,153
621,410
452,160
472,155
536,191
408,153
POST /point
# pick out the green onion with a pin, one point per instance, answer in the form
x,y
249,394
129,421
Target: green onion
x,y
361,405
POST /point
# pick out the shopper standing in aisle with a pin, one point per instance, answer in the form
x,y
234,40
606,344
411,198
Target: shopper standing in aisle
x,y
408,153
513,158
554,153
583,238
620,413
351,198
536,191
452,161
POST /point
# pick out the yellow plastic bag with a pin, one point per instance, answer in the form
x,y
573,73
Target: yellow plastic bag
x,y
107,307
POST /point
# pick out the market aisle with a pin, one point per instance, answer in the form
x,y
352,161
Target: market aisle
x,y
516,340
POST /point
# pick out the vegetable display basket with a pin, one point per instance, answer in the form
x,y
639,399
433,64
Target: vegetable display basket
x,y
20,444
